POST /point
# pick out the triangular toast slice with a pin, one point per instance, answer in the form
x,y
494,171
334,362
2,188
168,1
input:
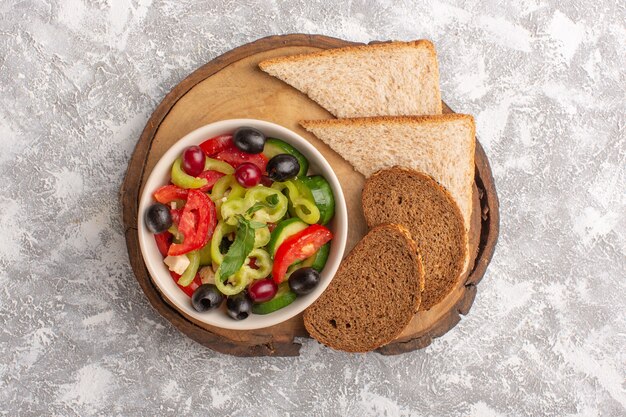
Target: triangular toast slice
x,y
393,78
441,146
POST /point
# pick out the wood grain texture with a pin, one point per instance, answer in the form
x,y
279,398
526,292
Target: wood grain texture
x,y
231,86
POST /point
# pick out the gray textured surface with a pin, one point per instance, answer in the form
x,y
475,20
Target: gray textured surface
x,y
547,332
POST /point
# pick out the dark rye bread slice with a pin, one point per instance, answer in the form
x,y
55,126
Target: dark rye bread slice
x,y
374,294
427,210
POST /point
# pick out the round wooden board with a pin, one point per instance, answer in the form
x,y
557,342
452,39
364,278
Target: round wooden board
x,y
232,86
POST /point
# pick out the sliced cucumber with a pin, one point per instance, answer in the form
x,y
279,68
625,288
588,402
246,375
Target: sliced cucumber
x,y
284,296
275,147
292,268
322,195
318,260
282,231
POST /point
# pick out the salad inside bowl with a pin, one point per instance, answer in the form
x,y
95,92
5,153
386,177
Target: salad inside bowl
x,y
242,224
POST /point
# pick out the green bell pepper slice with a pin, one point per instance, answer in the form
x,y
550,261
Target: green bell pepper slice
x,y
205,255
265,213
229,184
177,236
263,263
271,213
221,230
184,180
237,283
240,280
219,166
262,237
301,202
190,273
231,208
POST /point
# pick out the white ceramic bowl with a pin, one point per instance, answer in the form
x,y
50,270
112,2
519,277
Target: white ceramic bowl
x,y
154,261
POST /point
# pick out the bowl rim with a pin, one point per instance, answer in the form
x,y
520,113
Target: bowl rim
x,y
158,272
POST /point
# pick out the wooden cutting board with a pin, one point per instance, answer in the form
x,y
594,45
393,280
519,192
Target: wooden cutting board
x,y
231,86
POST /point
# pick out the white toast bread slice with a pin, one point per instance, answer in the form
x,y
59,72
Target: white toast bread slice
x,y
441,146
394,78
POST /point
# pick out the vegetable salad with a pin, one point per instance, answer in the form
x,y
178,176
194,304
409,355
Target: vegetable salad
x,y
242,221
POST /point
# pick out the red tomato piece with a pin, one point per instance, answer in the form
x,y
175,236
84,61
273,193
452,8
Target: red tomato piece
x,y
176,214
163,241
235,157
169,193
211,177
213,146
253,264
196,224
299,247
189,289
188,223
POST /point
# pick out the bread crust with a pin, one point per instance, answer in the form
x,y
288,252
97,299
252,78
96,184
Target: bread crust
x,y
357,50
400,322
309,125
360,121
415,249
420,43
459,267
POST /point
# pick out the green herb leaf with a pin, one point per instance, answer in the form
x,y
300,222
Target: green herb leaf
x,y
257,225
255,207
239,250
272,200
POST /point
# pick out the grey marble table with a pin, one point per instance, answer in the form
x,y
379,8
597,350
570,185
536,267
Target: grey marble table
x,y
547,333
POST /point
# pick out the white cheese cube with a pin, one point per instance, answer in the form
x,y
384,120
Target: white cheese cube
x,y
177,264
207,276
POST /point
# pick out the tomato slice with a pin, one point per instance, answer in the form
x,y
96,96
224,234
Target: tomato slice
x,y
189,289
169,193
163,241
196,224
217,144
211,177
176,215
235,157
299,247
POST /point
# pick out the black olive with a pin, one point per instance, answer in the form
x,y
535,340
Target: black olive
x,y
283,167
239,306
158,218
304,280
249,140
206,297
